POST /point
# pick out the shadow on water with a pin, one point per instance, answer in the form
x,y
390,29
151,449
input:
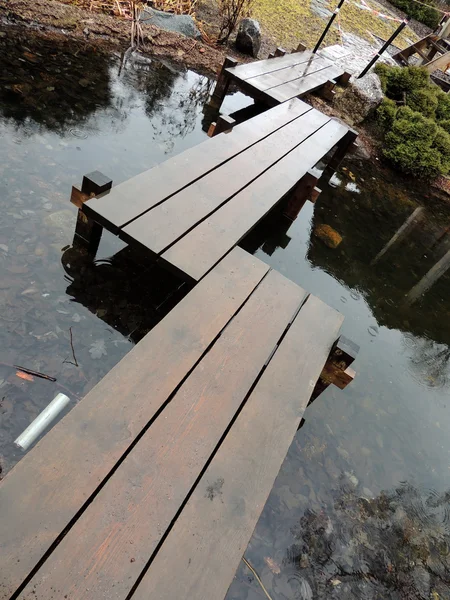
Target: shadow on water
x,y
127,291
329,529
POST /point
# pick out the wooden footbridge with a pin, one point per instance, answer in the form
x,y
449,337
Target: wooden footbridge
x,y
152,485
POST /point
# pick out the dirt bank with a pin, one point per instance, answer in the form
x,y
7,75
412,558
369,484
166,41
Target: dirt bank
x,y
109,32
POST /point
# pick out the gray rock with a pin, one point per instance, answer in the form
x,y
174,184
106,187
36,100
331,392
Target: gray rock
x,y
361,98
183,24
248,39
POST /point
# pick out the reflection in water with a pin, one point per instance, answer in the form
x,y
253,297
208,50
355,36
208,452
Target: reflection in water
x,y
118,289
328,529
429,279
401,234
50,86
65,111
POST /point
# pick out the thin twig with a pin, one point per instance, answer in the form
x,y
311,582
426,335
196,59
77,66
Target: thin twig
x,y
75,363
35,373
258,579
58,385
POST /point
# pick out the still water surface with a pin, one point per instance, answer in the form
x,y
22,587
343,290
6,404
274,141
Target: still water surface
x,y
361,507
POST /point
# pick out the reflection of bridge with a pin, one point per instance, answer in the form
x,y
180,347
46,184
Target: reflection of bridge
x,y
127,292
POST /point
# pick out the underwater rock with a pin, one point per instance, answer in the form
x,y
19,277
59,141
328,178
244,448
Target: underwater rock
x,y
328,235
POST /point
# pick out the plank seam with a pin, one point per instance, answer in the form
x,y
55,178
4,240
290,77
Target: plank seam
x,y
161,252
304,76
121,227
288,66
215,450
131,447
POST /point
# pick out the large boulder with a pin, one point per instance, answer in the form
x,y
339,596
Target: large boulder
x,y
183,24
361,98
248,39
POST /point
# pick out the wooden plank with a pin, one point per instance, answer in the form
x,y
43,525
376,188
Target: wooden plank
x,y
106,550
441,62
157,229
310,83
137,195
210,536
47,488
270,80
247,71
204,246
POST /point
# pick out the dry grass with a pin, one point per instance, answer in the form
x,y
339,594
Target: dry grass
x,y
179,7
292,21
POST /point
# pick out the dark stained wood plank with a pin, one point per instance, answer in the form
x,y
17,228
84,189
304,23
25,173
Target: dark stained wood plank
x,y
134,197
249,70
270,80
40,496
206,244
105,551
165,224
200,555
307,84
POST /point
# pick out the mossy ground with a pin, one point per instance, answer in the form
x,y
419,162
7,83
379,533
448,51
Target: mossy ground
x,y
292,21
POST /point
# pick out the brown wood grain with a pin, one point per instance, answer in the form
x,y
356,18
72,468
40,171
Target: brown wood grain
x,y
132,198
165,224
44,491
105,551
247,71
204,246
307,84
210,536
293,73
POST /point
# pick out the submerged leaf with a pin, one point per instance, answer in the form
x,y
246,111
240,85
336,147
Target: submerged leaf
x,y
25,376
98,349
273,566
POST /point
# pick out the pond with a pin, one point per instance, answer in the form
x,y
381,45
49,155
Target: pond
x,y
360,508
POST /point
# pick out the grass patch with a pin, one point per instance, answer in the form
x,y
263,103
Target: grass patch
x,y
292,21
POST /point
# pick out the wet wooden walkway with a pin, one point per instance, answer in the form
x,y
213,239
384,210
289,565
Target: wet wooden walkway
x,y
281,78
152,485
190,211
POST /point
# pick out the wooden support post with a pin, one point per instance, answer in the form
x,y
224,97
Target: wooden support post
x,y
300,48
305,190
342,148
337,369
223,82
271,55
280,52
224,124
344,79
87,232
327,90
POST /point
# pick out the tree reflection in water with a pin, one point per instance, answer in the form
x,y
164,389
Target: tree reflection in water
x,y
50,85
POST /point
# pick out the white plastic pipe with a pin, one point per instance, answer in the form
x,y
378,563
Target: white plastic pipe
x,y
42,421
